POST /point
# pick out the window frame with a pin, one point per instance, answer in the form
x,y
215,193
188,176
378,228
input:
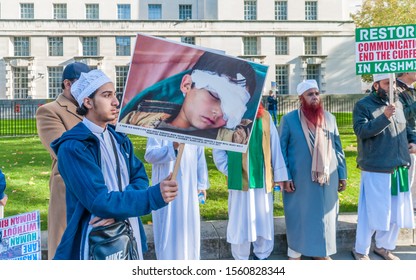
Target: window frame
x,y
60,11
122,13
27,10
92,11
152,12
250,10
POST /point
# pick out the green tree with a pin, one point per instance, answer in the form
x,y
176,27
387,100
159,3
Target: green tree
x,y
375,13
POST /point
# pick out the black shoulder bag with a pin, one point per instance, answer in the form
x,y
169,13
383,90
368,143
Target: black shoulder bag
x,y
115,241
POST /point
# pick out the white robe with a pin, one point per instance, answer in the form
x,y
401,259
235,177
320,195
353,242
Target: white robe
x,y
250,213
176,227
383,208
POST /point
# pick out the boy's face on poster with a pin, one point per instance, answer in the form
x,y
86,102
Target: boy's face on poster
x,y
202,109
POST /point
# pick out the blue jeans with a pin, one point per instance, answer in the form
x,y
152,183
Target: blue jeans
x,y
273,113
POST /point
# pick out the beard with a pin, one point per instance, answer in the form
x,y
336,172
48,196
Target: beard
x,y
313,113
382,94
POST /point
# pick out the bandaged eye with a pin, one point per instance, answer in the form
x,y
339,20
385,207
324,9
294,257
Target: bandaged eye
x,y
214,94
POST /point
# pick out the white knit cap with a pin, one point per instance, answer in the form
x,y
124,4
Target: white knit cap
x,y
87,84
305,85
379,77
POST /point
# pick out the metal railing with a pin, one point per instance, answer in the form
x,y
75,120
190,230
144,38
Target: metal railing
x,y
341,105
17,117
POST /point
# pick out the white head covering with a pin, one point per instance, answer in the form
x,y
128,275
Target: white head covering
x,y
379,77
234,97
305,85
87,84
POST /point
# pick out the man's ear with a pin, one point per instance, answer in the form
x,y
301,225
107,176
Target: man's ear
x,y
87,103
67,84
376,86
186,83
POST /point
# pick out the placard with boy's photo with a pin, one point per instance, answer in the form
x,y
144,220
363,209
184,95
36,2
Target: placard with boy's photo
x,y
189,94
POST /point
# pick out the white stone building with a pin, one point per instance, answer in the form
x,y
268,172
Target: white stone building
x,y
297,39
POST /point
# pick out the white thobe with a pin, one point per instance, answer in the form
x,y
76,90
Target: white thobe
x,y
176,227
108,167
380,212
250,213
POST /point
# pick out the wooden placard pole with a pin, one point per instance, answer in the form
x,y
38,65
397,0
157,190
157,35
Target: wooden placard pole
x,y
178,161
1,211
391,88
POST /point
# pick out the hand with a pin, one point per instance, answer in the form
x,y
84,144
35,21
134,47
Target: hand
x,y
3,201
175,145
288,186
342,185
412,148
204,192
98,222
390,110
169,189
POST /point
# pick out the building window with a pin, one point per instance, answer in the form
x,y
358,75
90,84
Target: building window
x,y
21,46
59,11
313,71
20,82
282,79
90,46
311,10
188,40
27,11
185,12
92,11
123,46
54,81
56,46
123,11
280,10
311,45
250,45
250,10
121,77
281,46
155,11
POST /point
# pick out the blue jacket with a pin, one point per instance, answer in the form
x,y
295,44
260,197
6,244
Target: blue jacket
x,y
2,184
382,144
79,162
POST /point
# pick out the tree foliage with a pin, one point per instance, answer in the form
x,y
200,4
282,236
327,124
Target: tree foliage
x,y
374,13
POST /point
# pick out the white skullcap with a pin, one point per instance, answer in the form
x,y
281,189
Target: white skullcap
x,y
87,84
379,77
305,85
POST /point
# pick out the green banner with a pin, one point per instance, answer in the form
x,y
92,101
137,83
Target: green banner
x,y
383,33
385,49
385,67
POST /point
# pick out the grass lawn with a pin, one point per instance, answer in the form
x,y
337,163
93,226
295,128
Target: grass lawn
x,y
27,167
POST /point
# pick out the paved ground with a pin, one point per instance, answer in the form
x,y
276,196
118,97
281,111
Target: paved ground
x,y
405,252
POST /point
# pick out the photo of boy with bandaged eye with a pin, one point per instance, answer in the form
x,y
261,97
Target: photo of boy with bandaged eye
x,y
215,98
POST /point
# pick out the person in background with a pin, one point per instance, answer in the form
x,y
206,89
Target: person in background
x,y
407,96
384,143
317,170
53,119
272,106
3,196
95,161
251,177
176,227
